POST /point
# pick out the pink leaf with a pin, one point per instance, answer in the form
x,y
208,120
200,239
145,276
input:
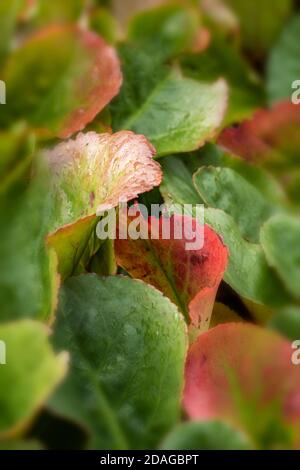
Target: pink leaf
x,y
244,374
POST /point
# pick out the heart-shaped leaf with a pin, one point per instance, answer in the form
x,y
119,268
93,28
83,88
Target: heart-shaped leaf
x,y
127,344
240,372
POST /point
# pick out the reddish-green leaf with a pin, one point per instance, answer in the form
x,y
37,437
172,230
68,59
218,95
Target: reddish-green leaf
x,y
66,87
244,374
267,134
189,277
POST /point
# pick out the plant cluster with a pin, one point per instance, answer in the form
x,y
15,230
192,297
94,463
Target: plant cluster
x,y
140,343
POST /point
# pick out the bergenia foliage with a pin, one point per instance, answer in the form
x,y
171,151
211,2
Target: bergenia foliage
x,y
184,333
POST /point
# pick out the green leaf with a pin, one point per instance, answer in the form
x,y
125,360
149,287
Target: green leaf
x,y
29,376
57,11
206,435
221,59
224,188
66,87
104,24
287,322
280,240
267,185
28,279
177,184
259,25
260,178
127,344
15,444
248,272
283,66
175,113
9,12
166,30
17,148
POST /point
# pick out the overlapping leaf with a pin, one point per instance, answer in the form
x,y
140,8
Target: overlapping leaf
x,y
188,269
91,173
175,113
248,272
223,188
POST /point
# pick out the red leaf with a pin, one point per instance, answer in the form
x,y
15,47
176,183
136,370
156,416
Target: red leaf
x,y
244,374
190,278
269,131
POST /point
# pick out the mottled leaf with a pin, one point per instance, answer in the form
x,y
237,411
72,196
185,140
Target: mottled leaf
x,y
93,173
188,274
